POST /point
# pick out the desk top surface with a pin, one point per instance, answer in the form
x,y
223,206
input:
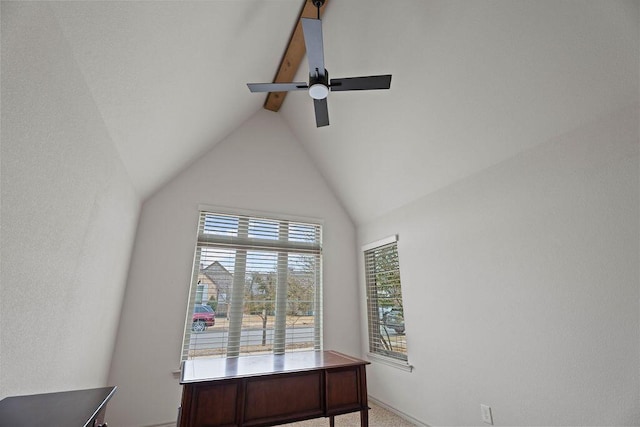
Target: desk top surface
x,y
208,369
68,408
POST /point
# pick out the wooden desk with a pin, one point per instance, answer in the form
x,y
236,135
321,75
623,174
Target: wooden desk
x,y
79,408
267,390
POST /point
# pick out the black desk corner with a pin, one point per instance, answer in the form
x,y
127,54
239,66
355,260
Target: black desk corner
x,y
81,408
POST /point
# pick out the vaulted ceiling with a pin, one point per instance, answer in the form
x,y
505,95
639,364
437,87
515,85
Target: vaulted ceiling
x,y
474,83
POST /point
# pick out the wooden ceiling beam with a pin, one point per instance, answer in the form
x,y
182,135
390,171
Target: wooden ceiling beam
x,y
293,56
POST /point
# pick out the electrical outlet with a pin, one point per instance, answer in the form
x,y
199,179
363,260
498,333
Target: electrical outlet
x,y
485,411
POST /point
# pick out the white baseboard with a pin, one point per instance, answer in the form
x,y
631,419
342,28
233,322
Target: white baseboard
x,y
397,412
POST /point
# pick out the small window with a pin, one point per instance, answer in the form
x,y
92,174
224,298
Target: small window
x,y
385,310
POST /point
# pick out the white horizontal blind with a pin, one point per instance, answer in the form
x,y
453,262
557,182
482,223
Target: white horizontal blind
x,y
262,277
385,310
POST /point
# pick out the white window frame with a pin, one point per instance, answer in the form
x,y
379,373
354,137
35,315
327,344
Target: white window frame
x,y
375,353
314,248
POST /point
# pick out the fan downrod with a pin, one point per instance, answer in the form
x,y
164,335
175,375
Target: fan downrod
x,y
318,4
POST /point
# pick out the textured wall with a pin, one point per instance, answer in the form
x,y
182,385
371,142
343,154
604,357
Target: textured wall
x,y
522,288
69,215
261,167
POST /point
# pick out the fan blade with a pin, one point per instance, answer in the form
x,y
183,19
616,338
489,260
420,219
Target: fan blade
x,y
277,87
322,112
361,83
312,29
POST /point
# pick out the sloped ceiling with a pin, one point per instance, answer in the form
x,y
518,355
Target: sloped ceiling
x,y
170,77
474,82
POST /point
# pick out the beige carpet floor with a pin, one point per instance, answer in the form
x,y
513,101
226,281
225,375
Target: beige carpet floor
x,y
378,417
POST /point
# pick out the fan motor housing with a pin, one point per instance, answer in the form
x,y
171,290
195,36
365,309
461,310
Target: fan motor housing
x,y
319,79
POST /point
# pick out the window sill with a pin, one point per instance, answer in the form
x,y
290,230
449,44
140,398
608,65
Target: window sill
x,y
399,364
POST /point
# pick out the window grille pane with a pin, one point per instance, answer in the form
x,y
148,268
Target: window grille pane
x,y
262,279
385,311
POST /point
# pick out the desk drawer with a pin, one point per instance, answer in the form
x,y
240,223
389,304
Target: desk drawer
x,y
211,404
344,390
283,397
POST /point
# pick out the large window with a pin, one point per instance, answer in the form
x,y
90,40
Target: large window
x,y
255,288
385,311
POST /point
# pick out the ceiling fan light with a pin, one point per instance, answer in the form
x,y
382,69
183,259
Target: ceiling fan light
x,y
318,91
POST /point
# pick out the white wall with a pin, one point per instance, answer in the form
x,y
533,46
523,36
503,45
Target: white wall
x,y
521,288
68,212
261,166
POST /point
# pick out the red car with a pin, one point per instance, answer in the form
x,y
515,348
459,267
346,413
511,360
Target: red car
x,y
203,316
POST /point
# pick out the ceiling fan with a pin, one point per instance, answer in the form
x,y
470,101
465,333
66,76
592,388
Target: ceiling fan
x,y
319,83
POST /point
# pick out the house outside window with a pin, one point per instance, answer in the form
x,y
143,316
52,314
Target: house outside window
x,y
262,277
385,310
